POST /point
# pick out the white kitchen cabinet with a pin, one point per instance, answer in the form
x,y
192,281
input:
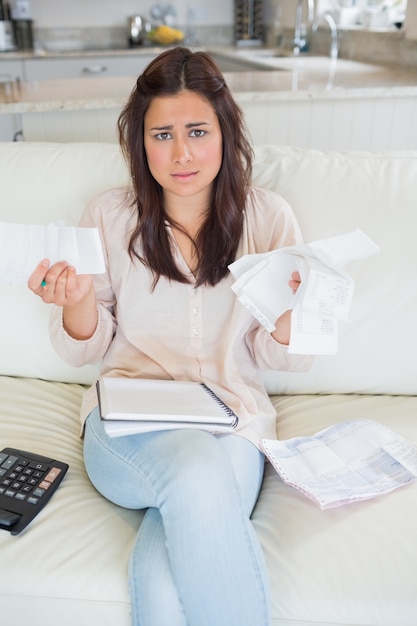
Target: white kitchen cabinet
x,y
11,69
97,125
351,123
327,124
10,72
85,66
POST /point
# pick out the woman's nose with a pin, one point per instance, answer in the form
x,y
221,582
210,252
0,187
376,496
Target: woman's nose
x,y
182,153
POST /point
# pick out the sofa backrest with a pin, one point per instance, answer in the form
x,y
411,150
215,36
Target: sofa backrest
x,y
40,184
331,193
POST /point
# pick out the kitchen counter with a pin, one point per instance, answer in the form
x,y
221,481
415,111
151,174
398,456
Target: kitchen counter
x,y
105,93
60,52
296,79
74,52
70,94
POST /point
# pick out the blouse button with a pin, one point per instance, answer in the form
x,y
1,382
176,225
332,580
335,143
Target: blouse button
x,y
196,332
195,310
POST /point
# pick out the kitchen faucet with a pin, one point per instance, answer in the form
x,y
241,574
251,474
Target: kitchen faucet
x,y
334,45
299,42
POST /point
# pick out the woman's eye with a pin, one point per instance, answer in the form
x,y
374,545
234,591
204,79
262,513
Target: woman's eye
x,y
163,136
197,133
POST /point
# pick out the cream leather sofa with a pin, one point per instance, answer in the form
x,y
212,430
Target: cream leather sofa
x,y
353,566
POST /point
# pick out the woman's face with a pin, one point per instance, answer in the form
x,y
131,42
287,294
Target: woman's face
x,y
183,145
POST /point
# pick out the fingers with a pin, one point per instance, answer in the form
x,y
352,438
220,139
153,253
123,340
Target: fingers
x,y
295,281
59,283
43,281
65,285
36,278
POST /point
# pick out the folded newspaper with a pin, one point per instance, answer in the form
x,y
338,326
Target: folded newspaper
x,y
352,461
23,246
323,298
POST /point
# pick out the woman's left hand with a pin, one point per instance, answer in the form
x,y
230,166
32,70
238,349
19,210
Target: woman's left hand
x,y
282,331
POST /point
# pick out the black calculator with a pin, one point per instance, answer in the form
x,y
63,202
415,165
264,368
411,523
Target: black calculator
x,y
27,483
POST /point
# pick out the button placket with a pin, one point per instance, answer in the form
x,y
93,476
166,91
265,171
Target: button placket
x,y
196,314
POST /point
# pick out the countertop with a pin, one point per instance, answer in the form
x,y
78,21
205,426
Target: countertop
x,y
298,78
74,52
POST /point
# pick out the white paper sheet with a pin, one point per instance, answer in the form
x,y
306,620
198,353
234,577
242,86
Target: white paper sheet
x,y
323,298
23,246
351,461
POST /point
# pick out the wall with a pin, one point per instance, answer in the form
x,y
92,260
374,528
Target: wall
x,y
82,13
109,13
113,13
285,9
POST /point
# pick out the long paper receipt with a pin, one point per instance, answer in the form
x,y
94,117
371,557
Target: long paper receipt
x,y
347,462
23,246
323,298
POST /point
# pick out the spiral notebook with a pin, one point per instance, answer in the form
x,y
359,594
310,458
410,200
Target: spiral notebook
x,y
135,405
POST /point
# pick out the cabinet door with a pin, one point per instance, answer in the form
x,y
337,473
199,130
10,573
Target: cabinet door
x,y
10,72
87,66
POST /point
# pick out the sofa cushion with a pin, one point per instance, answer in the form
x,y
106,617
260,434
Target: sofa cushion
x,y
349,565
353,565
334,193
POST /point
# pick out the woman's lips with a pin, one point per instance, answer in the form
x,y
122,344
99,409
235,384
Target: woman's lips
x,y
183,175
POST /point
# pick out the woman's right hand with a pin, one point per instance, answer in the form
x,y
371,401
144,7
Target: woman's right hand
x,y
59,283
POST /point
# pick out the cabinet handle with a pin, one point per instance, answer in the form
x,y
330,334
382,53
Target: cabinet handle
x,y
94,69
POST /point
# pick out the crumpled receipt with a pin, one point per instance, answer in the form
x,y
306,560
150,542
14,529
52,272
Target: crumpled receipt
x,y
23,246
323,298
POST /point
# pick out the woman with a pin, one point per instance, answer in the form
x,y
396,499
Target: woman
x,y
164,309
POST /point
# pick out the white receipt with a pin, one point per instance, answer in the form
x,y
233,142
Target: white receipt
x,y
355,460
323,298
23,246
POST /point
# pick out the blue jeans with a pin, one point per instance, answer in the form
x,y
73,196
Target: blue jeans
x,y
196,560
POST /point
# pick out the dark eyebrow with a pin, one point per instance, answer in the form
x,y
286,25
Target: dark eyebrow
x,y
193,124
190,125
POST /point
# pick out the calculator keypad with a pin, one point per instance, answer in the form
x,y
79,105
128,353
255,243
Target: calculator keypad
x,y
27,481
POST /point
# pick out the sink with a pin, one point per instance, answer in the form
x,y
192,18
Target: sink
x,y
264,59
278,59
304,71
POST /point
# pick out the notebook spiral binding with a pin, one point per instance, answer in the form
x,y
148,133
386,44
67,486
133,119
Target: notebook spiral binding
x,y
215,397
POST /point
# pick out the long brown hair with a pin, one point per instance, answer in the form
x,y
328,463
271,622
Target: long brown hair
x,y
168,74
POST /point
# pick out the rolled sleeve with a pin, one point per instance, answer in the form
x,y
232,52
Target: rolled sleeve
x,y
78,352
271,355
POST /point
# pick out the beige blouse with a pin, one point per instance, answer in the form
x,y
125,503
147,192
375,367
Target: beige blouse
x,y
179,331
